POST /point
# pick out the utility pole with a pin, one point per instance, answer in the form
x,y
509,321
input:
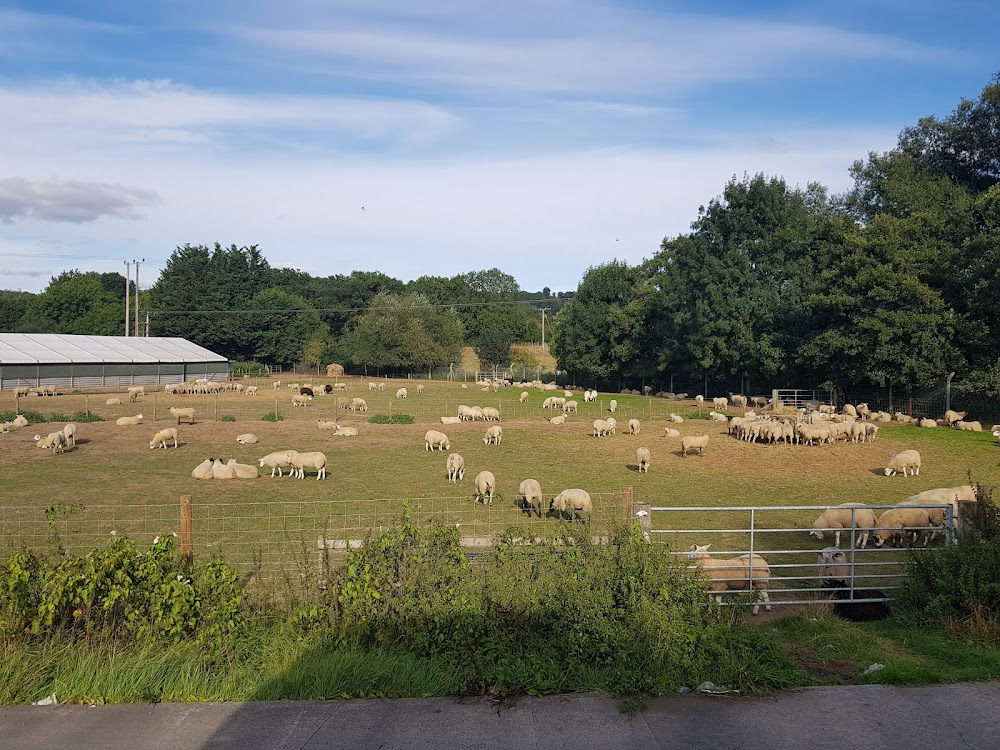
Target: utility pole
x,y
543,311
128,293
137,264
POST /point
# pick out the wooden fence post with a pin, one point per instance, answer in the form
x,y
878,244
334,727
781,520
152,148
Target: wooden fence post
x,y
86,404
216,407
154,407
186,528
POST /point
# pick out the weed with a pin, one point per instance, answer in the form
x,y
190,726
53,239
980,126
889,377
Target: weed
x,y
227,418
272,416
391,419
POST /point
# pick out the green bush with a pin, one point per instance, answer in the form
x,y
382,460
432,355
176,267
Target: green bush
x,y
80,416
391,419
272,416
33,417
227,418
249,369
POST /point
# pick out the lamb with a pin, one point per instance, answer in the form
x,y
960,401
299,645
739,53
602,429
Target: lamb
x,y
456,467
670,432
302,461
301,399
113,402
493,435
559,419
277,461
642,458
718,417
69,432
222,471
902,461
524,397
721,402
160,438
129,421
531,496
743,573
491,414
899,522
968,426
434,439
179,414
247,438
613,406
451,420
693,442
952,416
843,517
342,431
242,471
203,470
359,404
573,503
633,427
601,427
54,440
925,422
568,394
135,392
486,485
401,393
676,418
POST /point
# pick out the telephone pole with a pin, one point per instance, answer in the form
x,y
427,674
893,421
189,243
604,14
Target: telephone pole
x,y
128,293
137,264
543,310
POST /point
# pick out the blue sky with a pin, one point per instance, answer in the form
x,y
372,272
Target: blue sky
x,y
537,136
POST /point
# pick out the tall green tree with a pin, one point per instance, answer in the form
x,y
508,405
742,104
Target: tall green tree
x,y
283,327
76,303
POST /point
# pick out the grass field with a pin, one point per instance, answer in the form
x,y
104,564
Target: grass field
x,y
117,483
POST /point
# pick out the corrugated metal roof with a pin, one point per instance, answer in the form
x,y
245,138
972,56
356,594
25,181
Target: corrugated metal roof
x,y
53,348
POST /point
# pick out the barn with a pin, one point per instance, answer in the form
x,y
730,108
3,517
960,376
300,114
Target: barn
x,y
64,361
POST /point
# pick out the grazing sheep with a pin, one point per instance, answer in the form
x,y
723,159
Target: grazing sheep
x,y
381,386
69,432
54,440
203,470
493,435
721,402
160,439
574,503
590,395
670,432
113,402
451,420
968,426
434,439
601,427
277,461
401,393
302,461
135,393
942,496
693,442
925,422
900,523
952,416
613,406
491,414
676,418
21,391
373,386
739,400
523,397
849,410
902,461
300,400
560,419
743,573
570,406
251,390
843,517
247,438
342,431
613,423
456,467
642,458
358,404
633,427
179,414
530,492
242,471
486,485
129,421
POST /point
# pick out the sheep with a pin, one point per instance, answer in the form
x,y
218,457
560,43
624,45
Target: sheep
x,y
951,416
568,394
293,386
718,417
523,397
342,402
676,418
942,496
909,459
833,566
870,431
490,414
401,393
160,438
743,573
721,402
372,386
21,391
302,461
845,516
113,402
301,399
670,432
359,404
634,427
572,503
590,395
486,485
434,439
570,406
69,432
276,384
559,419
530,497
325,424
613,406
739,400
381,386
903,418
493,435
451,420
692,442
129,421
179,414
135,392
277,461
968,426
19,422
242,471
808,434
54,440
222,471
849,410
899,522
456,467
861,410
925,422
251,390
601,427
203,470
247,438
700,400
342,431
613,423
642,458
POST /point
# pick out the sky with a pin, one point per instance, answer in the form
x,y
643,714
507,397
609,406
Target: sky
x,y
541,137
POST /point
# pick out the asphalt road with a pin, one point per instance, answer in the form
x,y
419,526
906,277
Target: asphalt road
x,y
839,718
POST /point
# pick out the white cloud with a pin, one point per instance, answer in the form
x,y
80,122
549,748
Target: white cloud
x,y
70,200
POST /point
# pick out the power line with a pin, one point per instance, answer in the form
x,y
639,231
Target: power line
x,y
350,309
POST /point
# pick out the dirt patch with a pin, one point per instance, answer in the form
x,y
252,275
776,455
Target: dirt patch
x,y
821,668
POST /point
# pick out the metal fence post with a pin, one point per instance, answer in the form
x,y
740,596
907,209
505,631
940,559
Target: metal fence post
x,y
186,528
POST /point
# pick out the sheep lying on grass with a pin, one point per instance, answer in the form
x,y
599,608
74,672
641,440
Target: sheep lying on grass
x,y
903,461
113,402
160,438
928,422
456,467
54,440
247,438
129,421
968,426
451,420
744,573
530,492
670,432
573,503
843,517
560,419
343,431
242,471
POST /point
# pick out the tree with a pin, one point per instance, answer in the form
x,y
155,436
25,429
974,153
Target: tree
x,y
283,327
13,306
76,303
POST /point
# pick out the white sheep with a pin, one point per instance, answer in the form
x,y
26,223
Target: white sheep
x,y
326,424
251,390
135,393
718,417
570,406
401,393
692,443
951,416
486,485
633,427
373,386
531,496
700,400
925,422
833,566
434,439
160,438
721,402
559,419
222,471
69,432
942,496
113,402
179,414
903,461
491,414
54,440
247,438
601,427
493,435
968,426
129,421
843,517
743,573
203,470
670,432
613,406
456,467
574,503
900,522
613,424
381,386
277,461
676,418
19,422
739,400
358,404
642,458
451,420
242,471
300,399
342,431
523,397
302,461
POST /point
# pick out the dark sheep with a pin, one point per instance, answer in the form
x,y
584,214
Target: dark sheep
x,y
855,611
306,391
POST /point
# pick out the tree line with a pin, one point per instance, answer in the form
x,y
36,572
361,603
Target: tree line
x,y
892,284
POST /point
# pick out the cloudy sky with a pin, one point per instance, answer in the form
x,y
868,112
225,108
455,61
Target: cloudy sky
x,y
441,136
